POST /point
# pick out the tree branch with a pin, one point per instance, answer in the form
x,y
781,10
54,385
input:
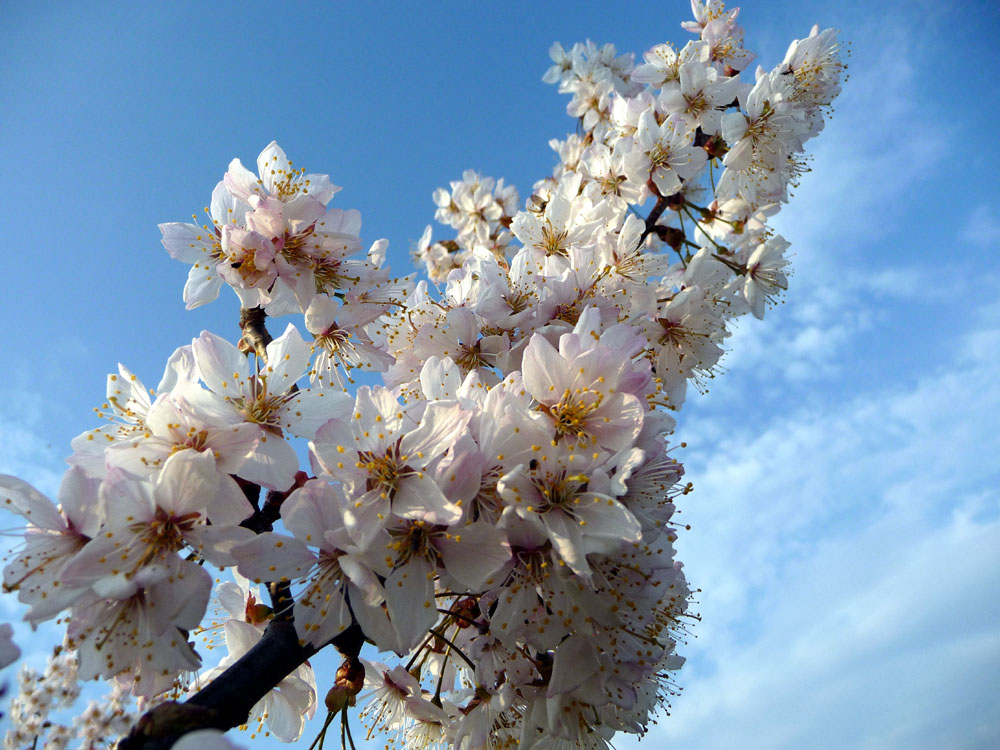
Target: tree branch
x,y
255,336
654,215
227,700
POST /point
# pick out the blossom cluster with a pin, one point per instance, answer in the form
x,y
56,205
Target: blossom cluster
x,y
498,512
34,711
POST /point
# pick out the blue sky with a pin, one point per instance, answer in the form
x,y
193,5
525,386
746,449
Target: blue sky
x,y
846,518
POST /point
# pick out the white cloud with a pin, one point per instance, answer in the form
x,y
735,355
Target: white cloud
x,y
850,559
982,227
24,452
848,254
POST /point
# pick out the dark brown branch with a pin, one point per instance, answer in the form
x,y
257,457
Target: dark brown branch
x,y
227,700
654,216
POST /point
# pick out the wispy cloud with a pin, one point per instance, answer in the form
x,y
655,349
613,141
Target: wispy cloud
x,y
850,558
24,450
982,227
848,257
846,533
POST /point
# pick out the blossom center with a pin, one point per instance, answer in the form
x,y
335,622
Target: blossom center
x,y
415,540
571,412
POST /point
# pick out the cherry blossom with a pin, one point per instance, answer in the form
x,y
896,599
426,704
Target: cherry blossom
x,y
497,517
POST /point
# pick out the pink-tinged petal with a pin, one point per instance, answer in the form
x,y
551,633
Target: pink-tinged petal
x,y
232,445
125,499
558,212
691,162
648,73
240,181
232,597
366,517
321,314
230,505
100,558
202,286
273,557
215,543
187,483
272,464
287,360
366,586
272,163
409,598
311,408
378,405
440,378
221,365
118,586
512,612
303,210
666,180
19,497
672,100
186,242
617,421
137,458
754,297
575,662
648,132
321,613
460,474
240,637
283,718
196,406
606,518
527,228
313,509
474,553
544,372
375,624
739,156
517,490
421,499
441,425
333,450
734,125
78,498
184,598
180,367
568,542
225,207
320,187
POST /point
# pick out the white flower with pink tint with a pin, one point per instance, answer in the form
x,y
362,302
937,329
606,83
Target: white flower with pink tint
x,y
383,459
147,523
577,387
563,494
277,180
664,153
268,400
341,341
53,536
320,555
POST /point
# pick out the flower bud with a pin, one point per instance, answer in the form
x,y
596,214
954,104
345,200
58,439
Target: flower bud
x,y
255,612
465,611
715,147
348,683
